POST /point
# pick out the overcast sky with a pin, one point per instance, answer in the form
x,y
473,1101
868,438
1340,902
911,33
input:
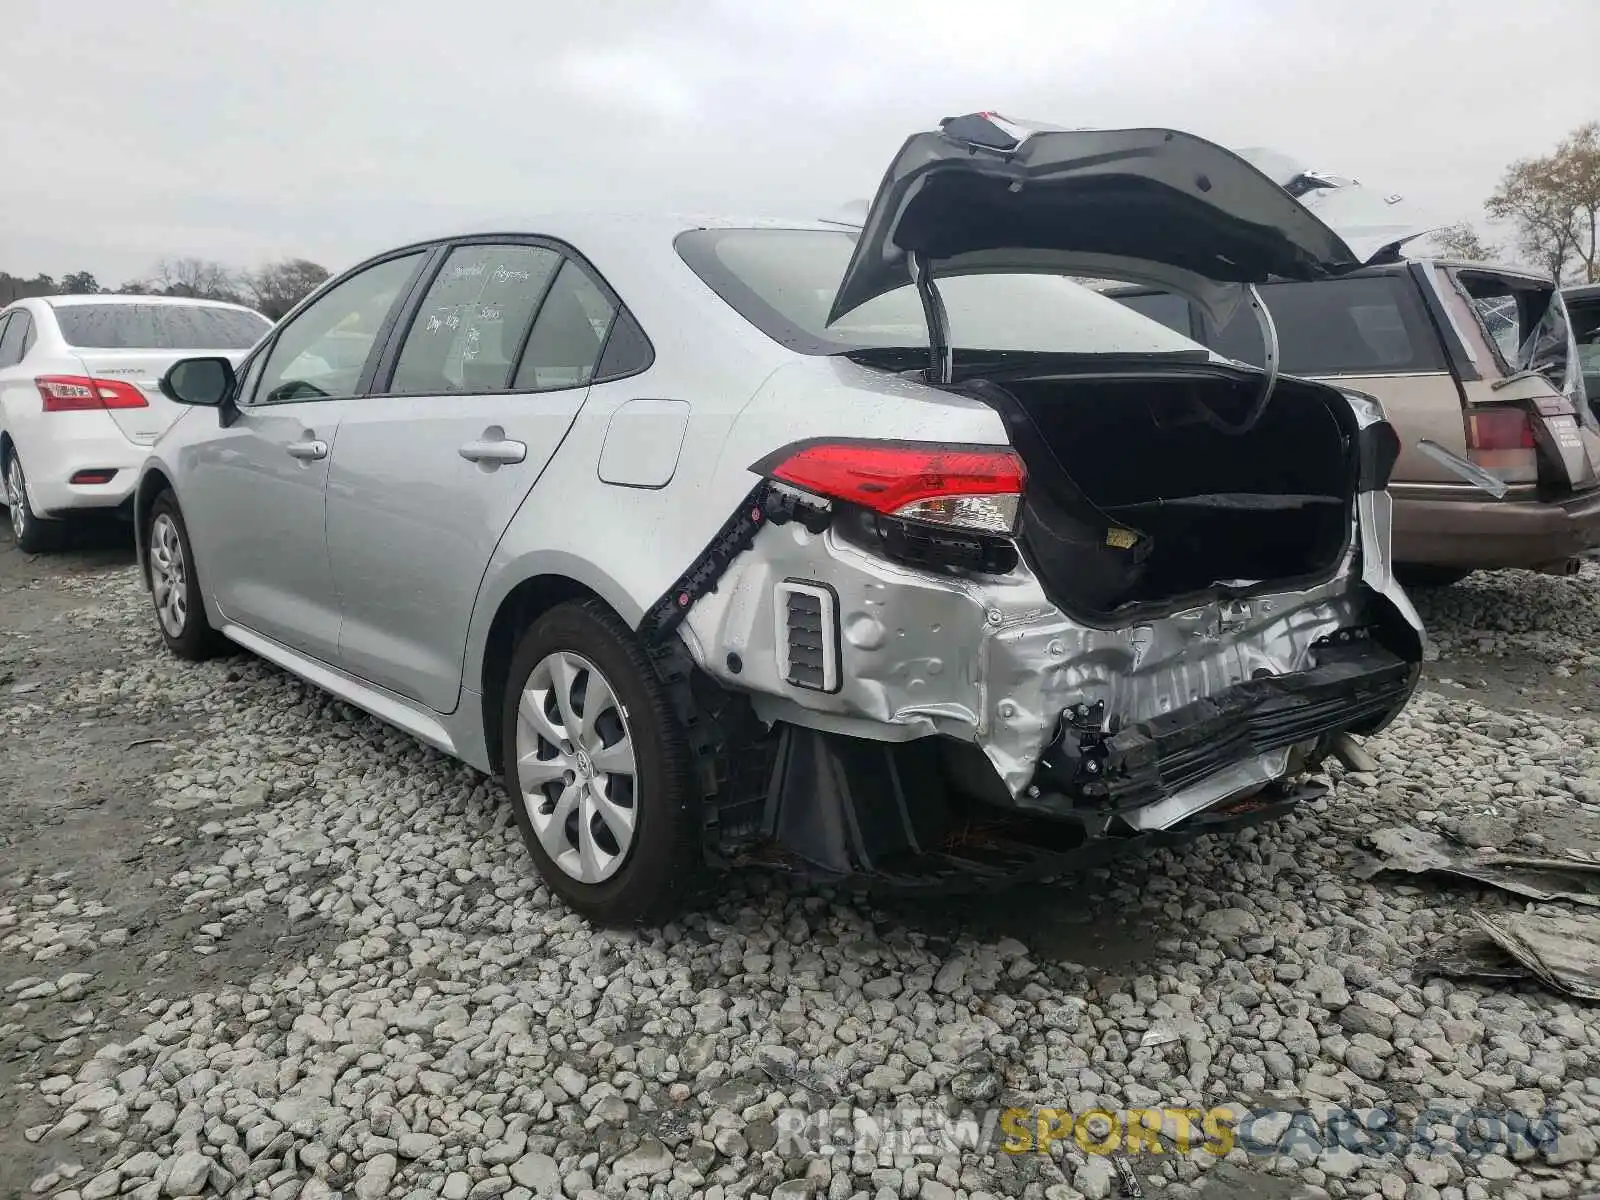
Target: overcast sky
x,y
331,129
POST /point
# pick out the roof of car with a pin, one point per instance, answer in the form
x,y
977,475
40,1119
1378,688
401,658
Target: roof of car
x,y
581,228
122,298
1582,291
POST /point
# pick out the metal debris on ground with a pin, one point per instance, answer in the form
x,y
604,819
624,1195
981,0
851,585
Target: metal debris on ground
x,y
1560,952
1130,1182
1538,877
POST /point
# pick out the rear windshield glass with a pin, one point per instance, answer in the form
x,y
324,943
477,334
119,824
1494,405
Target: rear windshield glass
x,y
783,281
159,327
1367,326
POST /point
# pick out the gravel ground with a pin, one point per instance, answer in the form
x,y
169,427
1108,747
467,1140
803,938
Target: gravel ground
x,y
253,943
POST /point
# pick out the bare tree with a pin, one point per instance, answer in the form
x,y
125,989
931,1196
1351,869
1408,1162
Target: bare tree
x,y
199,278
1554,203
278,287
1463,241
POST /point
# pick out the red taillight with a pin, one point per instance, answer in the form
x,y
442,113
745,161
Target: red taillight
x,y
1499,429
81,393
93,476
976,488
1500,440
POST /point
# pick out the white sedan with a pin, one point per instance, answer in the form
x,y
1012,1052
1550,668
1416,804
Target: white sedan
x,y
79,401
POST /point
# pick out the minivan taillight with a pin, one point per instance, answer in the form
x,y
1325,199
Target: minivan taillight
x,y
83,393
976,488
1500,440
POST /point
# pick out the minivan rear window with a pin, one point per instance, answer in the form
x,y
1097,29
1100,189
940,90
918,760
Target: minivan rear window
x,y
1371,325
159,327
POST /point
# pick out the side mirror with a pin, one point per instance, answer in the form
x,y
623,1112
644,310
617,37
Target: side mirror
x,y
202,381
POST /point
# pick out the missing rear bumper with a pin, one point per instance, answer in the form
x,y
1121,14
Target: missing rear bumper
x,y
879,816
1354,685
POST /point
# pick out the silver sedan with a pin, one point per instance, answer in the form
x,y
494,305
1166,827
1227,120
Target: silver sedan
x,y
886,552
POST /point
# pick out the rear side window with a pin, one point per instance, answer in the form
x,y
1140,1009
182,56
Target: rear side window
x,y
159,327
1585,315
1366,326
12,332
568,335
466,334
627,350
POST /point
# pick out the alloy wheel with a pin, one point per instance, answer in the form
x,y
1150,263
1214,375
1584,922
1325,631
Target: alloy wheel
x,y
576,772
169,581
16,497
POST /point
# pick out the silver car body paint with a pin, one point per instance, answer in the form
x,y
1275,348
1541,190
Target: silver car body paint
x,y
333,570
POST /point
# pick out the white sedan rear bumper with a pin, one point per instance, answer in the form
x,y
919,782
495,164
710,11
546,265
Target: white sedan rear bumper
x,y
78,442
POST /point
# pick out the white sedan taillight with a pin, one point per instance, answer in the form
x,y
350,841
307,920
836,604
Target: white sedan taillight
x,y
83,393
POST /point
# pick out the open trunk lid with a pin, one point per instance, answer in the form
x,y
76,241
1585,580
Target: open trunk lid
x,y
984,194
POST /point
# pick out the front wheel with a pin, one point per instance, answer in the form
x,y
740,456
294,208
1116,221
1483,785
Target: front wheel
x,y
174,586
598,769
33,534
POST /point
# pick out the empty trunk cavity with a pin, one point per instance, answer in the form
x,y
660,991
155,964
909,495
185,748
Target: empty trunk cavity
x,y
1140,497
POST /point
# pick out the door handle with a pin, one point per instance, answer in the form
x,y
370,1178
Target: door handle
x,y
497,452
307,451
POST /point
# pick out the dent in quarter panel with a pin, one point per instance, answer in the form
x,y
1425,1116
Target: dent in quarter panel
x,y
643,442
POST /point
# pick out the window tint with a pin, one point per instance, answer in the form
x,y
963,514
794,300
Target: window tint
x,y
465,336
159,327
323,350
1172,311
568,334
16,328
28,338
1367,326
627,349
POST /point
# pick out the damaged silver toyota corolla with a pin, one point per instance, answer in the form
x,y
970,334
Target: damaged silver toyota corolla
x,y
883,551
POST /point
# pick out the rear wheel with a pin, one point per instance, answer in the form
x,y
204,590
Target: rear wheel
x,y
598,769
174,586
1427,575
32,533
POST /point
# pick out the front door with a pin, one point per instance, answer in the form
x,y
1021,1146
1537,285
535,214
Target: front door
x,y
429,470
255,497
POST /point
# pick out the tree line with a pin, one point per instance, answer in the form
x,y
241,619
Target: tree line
x,y
1552,204
272,289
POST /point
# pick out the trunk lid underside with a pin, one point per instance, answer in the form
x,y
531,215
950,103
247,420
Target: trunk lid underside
x,y
1146,205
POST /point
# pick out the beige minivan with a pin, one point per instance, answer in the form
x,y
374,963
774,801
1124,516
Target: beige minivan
x,y
1475,367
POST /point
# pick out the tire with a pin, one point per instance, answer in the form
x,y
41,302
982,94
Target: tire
x,y
1427,575
175,585
32,533
649,876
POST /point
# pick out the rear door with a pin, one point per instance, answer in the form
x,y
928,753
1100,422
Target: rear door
x,y
254,494
481,385
135,343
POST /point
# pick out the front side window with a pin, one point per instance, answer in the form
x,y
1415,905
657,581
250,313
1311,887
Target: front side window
x,y
465,336
568,335
1371,325
159,327
323,351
